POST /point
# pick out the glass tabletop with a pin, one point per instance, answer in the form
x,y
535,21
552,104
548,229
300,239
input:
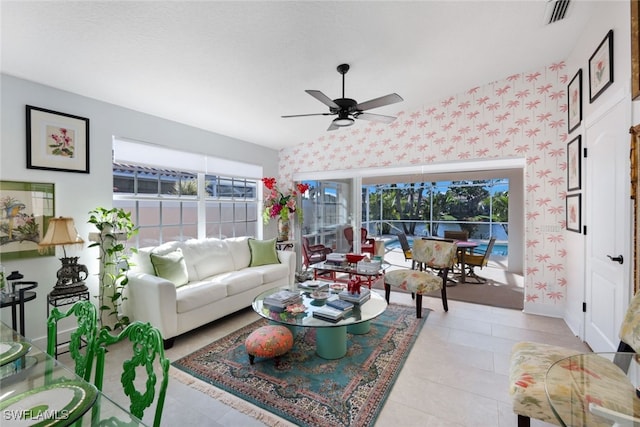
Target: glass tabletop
x,y
595,389
35,387
349,268
369,310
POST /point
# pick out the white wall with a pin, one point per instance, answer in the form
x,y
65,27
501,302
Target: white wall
x,y
76,194
611,15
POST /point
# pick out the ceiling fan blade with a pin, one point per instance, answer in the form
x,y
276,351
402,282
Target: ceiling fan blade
x,y
375,117
305,115
392,98
333,126
323,98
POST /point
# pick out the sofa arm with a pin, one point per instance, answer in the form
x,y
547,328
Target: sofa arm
x,y
152,299
289,258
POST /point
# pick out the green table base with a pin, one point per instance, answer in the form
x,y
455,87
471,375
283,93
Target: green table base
x,y
331,343
359,328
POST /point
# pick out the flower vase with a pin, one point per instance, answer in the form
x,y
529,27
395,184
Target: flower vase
x,y
283,229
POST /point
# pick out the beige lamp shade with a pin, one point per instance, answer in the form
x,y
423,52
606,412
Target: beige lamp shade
x,y
61,231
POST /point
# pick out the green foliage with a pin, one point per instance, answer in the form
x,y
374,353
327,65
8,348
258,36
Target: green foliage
x,y
115,226
420,203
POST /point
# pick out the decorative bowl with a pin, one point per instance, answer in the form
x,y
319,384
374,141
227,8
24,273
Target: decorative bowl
x,y
337,287
296,309
319,295
353,258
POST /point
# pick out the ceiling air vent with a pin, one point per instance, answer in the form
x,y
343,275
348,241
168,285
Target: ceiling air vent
x,y
556,10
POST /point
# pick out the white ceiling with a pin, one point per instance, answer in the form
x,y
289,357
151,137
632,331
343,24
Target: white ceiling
x,y
235,67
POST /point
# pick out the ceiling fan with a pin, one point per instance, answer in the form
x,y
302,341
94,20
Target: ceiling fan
x,y
348,109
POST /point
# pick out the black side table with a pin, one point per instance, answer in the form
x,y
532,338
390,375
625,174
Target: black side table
x,y
62,300
21,293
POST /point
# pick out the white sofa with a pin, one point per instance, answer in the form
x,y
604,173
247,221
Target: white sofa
x,y
219,281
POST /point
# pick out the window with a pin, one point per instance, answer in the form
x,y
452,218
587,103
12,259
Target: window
x,y
165,204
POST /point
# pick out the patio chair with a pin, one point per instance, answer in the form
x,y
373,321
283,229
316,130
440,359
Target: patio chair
x,y
473,260
406,249
86,315
366,244
148,354
530,362
457,235
312,254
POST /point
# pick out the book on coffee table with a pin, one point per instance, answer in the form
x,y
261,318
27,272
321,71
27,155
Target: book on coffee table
x,y
339,304
329,314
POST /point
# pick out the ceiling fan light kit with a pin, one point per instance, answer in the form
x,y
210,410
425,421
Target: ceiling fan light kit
x,y
348,109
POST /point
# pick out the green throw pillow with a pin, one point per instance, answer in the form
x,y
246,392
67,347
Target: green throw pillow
x,y
263,252
171,266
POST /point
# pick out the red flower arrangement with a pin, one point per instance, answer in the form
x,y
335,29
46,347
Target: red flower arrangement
x,y
278,203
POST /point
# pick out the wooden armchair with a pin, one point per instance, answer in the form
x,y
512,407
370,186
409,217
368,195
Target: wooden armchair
x,y
366,244
312,254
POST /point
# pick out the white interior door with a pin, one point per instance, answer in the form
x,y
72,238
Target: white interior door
x,y
607,219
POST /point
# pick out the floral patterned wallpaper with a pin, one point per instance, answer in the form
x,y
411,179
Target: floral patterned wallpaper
x,y
524,115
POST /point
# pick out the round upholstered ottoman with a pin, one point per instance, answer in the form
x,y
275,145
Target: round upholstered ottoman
x,y
268,341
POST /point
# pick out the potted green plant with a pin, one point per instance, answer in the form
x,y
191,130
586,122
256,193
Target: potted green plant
x,y
115,227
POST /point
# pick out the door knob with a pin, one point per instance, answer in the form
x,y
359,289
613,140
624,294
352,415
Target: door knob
x,y
618,258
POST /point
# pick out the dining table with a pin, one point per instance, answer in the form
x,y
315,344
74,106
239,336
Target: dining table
x,y
464,246
36,389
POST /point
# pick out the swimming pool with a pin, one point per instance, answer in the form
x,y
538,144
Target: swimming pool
x,y
500,249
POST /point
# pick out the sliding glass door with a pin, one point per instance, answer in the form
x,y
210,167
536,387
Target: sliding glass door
x,y
328,208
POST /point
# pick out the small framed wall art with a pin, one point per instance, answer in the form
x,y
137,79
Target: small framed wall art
x,y
601,68
574,213
27,208
574,101
574,150
57,141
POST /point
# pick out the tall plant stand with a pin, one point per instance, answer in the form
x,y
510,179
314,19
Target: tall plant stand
x,y
61,301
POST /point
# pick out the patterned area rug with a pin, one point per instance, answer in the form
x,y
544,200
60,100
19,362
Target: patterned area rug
x,y
304,388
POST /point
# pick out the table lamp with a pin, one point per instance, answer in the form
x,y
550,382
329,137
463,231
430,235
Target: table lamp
x,y
71,276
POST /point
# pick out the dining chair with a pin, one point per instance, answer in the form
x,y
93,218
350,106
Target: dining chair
x,y
530,362
481,260
147,352
83,336
312,254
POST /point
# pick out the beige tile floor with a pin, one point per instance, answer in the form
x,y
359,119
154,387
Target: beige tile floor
x,y
455,375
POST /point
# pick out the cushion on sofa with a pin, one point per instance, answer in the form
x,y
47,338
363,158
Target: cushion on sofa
x,y
263,252
199,294
239,248
208,257
273,272
171,266
238,282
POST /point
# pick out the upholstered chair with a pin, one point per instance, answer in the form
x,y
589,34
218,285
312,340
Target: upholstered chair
x,y
530,362
434,254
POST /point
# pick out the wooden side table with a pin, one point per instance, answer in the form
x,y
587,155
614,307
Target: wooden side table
x,y
21,293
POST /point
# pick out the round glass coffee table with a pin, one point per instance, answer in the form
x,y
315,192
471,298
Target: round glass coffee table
x,y
331,338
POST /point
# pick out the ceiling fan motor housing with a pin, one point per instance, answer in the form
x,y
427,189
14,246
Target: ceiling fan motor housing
x,y
347,105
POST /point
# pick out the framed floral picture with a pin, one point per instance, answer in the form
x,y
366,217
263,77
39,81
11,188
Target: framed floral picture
x,y
27,208
601,68
57,141
574,213
574,101
574,150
